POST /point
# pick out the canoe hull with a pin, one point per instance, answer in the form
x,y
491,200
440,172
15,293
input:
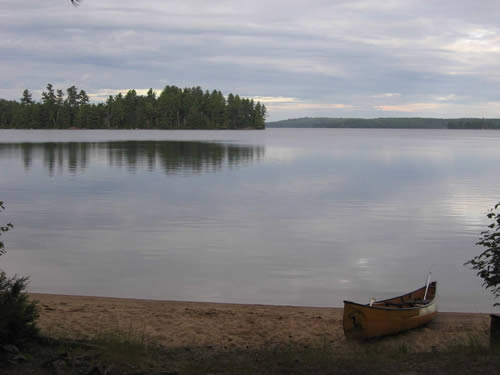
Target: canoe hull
x,y
364,321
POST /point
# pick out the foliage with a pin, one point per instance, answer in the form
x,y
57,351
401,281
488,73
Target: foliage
x,y
3,229
18,315
174,108
488,262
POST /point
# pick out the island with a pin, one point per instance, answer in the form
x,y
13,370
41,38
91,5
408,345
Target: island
x,y
174,108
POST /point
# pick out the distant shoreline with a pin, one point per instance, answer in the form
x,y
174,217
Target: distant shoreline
x,y
387,123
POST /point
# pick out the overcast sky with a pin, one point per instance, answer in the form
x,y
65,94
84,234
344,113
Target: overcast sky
x,y
335,58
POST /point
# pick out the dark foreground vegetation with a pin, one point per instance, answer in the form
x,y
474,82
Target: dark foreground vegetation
x,y
174,108
388,123
121,355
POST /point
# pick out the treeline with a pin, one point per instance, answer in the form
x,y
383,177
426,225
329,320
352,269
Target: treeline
x,y
174,108
387,123
474,123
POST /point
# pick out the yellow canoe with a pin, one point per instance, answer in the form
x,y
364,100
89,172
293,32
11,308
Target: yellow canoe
x,y
391,315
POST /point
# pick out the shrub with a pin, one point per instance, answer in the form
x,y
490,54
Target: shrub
x,y
18,314
488,262
3,228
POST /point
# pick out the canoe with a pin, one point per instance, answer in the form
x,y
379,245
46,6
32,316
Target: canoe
x,y
392,315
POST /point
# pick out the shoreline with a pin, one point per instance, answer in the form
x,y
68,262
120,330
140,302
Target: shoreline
x,y
240,304
229,326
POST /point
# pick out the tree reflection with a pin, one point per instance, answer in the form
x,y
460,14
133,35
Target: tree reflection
x,y
170,156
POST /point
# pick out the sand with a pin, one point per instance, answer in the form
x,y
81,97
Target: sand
x,y
232,326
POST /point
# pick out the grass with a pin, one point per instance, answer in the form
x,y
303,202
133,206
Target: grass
x,y
123,346
129,352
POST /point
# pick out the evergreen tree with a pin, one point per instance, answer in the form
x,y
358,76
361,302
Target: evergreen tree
x,y
150,117
117,112
72,102
130,109
151,95
27,98
60,98
82,98
174,108
49,97
72,96
60,109
49,108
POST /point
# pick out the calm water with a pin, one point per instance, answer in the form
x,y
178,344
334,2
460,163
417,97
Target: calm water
x,y
282,216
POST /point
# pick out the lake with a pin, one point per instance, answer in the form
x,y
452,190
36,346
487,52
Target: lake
x,y
281,216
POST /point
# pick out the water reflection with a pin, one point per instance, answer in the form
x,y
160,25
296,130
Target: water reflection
x,y
170,156
322,216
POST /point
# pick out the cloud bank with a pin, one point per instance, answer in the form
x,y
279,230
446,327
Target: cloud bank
x,y
344,58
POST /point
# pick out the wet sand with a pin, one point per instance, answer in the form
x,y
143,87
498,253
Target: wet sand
x,y
231,326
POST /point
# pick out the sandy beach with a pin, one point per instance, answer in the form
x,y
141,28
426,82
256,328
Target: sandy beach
x,y
232,326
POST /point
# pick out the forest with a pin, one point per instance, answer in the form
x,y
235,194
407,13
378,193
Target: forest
x,y
174,108
388,123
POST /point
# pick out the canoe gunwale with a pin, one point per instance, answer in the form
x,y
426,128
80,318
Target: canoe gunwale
x,y
433,284
390,308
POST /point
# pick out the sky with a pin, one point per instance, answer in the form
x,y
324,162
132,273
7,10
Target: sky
x,y
316,58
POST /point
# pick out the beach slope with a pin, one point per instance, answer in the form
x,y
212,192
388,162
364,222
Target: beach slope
x,y
175,324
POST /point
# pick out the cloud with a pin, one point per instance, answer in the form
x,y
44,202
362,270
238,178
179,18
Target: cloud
x,y
447,98
274,99
410,107
302,65
387,95
103,94
296,106
313,106
355,53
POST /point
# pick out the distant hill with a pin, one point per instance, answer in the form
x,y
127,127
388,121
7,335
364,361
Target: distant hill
x,y
388,123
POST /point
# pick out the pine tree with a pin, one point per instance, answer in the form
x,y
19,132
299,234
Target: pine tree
x,y
60,98
72,96
49,97
27,98
82,98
